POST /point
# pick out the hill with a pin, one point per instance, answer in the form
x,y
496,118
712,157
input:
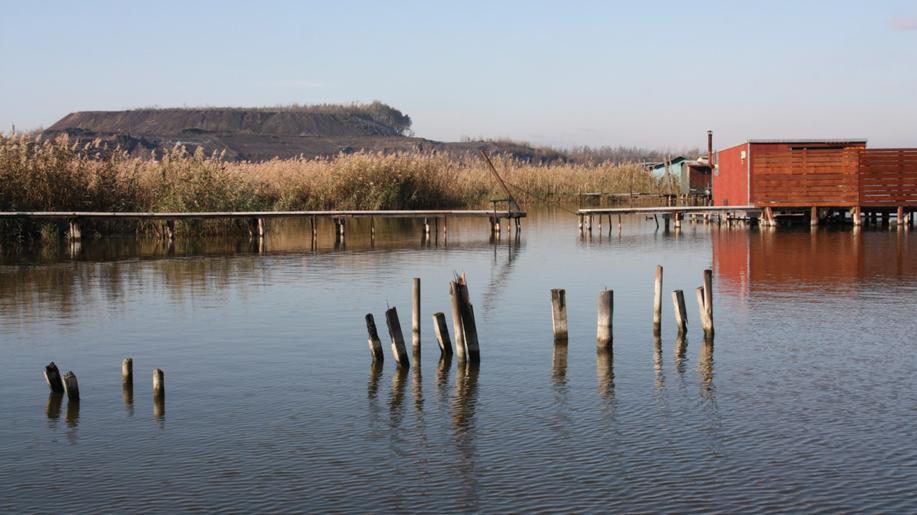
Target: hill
x,y
260,134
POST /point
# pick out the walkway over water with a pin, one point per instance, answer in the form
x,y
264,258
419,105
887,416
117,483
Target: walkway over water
x,y
257,218
668,212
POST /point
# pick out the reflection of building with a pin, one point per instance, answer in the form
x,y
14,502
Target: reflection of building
x,y
796,260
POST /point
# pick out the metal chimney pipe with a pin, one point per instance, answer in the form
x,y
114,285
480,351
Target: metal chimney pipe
x,y
710,147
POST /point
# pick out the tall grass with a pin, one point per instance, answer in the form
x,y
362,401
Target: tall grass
x,y
43,175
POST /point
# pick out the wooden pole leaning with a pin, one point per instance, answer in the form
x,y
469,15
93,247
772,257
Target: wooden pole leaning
x,y
559,313
455,299
375,345
681,314
604,323
708,300
442,334
53,378
469,327
159,384
394,329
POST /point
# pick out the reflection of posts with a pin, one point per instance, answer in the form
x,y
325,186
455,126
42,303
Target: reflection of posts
x,y
466,386
705,367
681,348
399,382
73,413
372,384
657,361
559,363
605,372
52,408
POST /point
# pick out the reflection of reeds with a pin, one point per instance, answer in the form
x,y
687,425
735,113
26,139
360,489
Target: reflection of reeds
x,y
46,175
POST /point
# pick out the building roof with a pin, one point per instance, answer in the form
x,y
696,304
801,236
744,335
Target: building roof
x,y
828,141
673,161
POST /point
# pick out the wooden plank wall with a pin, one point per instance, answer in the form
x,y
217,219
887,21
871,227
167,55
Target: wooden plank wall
x,y
888,177
805,177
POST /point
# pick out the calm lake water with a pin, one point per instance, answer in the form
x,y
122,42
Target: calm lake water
x,y
807,402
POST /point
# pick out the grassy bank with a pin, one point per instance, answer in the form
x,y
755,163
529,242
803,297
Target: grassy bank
x,y
38,175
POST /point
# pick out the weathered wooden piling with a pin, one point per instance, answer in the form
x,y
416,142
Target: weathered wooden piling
x,y
442,334
375,345
53,378
604,329
657,300
170,230
702,308
900,215
813,216
159,384
469,326
127,370
559,313
415,315
681,314
256,227
399,352
456,303
71,386
708,299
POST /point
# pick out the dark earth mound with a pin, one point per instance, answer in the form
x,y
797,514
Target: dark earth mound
x,y
260,134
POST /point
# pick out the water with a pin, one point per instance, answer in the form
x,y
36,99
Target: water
x,y
807,401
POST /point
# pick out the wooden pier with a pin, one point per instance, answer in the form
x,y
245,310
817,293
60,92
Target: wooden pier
x,y
257,219
669,213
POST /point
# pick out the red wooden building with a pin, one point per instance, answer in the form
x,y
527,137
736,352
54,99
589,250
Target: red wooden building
x,y
815,173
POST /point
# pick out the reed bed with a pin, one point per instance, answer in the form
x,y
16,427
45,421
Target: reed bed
x,y
44,175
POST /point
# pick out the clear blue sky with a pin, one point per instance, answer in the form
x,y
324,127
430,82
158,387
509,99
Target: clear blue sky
x,y
649,73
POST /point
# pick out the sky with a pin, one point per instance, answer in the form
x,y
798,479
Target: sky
x,y
655,74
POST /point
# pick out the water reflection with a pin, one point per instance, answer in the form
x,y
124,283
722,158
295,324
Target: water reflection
x,y
705,370
159,409
463,423
72,418
127,395
396,400
52,408
605,372
657,361
559,363
442,377
375,374
417,383
681,351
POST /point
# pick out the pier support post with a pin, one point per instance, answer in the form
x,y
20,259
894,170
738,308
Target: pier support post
x,y
657,301
559,313
256,227
53,378
813,216
159,384
375,345
71,386
677,217
457,320
857,220
415,315
769,217
170,230
681,314
442,334
604,326
665,221
900,215
394,330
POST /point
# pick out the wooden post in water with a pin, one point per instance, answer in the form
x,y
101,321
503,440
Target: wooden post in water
x,y
702,309
159,384
559,313
127,371
857,219
708,298
394,330
170,229
681,314
604,329
469,327
457,320
375,345
657,301
415,315
71,386
813,216
900,215
442,334
52,376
